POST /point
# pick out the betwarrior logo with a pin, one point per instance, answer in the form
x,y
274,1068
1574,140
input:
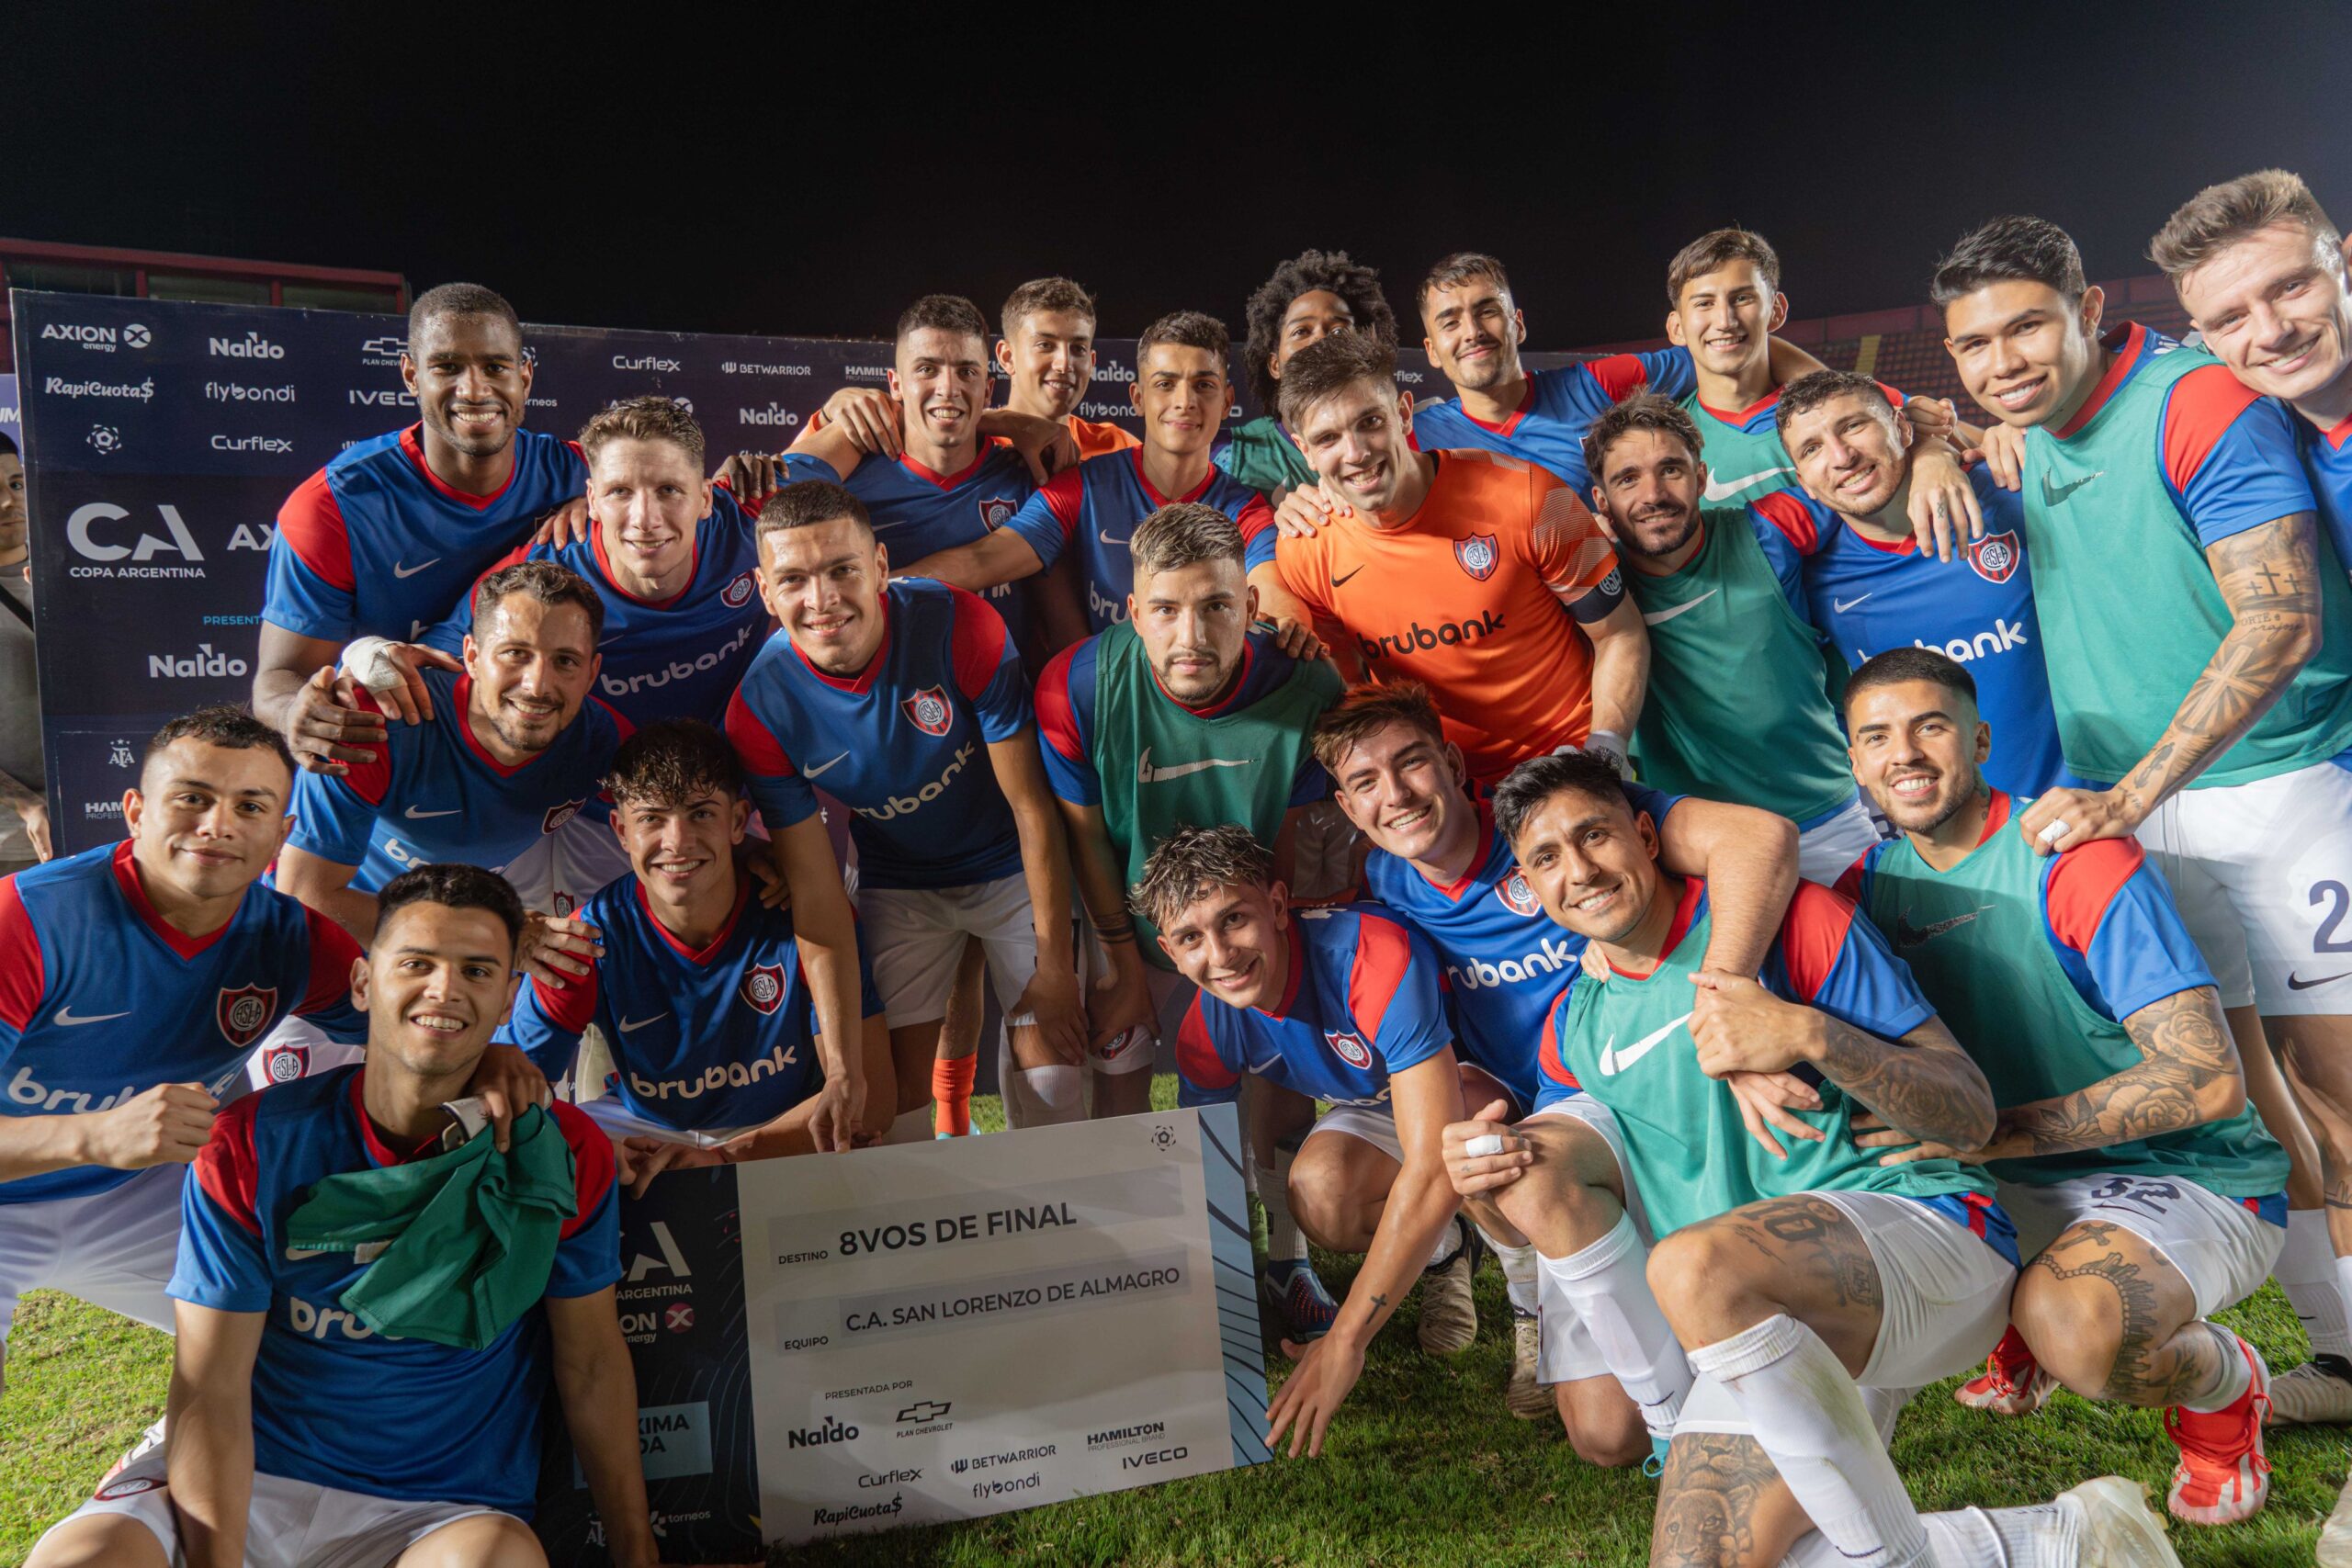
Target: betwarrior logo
x,y
1419,638
829,1430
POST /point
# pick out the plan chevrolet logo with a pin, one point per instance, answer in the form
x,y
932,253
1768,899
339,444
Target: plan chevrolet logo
x,y
927,1410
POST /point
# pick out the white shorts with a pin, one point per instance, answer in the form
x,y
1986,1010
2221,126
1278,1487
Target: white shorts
x,y
1133,1052
2262,873
297,1048
113,1249
1376,1124
1829,847
289,1524
1566,1352
612,1115
2221,1248
916,935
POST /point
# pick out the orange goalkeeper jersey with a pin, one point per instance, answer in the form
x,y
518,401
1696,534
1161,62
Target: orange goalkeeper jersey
x,y
1476,595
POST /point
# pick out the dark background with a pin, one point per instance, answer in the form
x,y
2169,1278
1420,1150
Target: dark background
x,y
670,168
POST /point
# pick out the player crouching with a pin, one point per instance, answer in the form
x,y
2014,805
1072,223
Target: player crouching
x,y
303,1436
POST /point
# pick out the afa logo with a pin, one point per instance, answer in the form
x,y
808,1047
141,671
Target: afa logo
x,y
246,1012
764,986
996,512
283,1064
928,711
1516,895
1995,557
1479,555
1350,1047
737,594
559,815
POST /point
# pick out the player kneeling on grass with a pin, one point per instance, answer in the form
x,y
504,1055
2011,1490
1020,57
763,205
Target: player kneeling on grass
x,y
1789,1284
2145,1192
716,1055
326,1411
1339,1005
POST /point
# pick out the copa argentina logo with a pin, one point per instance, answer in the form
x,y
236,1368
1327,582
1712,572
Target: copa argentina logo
x,y
253,346
95,531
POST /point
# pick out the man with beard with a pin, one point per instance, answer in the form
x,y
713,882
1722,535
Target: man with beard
x,y
1310,297
1719,592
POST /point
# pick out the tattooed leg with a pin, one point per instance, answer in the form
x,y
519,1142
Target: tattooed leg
x,y
1799,1256
1722,1504
2110,1318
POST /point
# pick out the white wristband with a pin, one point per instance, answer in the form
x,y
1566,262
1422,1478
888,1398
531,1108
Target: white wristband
x,y
1482,1145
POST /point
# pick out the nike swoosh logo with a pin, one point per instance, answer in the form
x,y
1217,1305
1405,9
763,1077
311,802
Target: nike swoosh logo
x,y
1909,935
1840,606
1337,581
1104,535
2055,495
1146,774
1668,614
631,1025
413,815
65,1019
1723,490
812,772
2297,983
400,570
1614,1061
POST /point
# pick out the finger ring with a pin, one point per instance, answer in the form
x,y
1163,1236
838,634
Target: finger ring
x,y
1482,1145
2055,831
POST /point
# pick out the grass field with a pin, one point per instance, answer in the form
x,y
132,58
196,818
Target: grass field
x,y
1423,1465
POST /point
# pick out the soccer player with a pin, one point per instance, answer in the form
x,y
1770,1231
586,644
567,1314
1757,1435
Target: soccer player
x,y
299,1436
1047,357
2138,1174
716,1057
1478,575
1737,709
387,536
1184,713
1437,863
1341,1005
1869,587
1310,297
2198,628
906,699
1788,1285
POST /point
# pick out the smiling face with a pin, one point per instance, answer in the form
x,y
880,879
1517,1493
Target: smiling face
x,y
941,379
1194,625
824,583
684,851
1230,941
2275,307
1592,864
1401,787
533,664
1725,318
646,497
2024,354
436,983
206,820
1648,487
1182,394
1917,747
1852,453
1358,441
469,380
1474,333
1050,359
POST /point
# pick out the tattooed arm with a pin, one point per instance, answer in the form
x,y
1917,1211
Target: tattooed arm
x,y
2188,1075
2270,578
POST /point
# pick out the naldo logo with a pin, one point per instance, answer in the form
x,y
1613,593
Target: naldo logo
x,y
253,346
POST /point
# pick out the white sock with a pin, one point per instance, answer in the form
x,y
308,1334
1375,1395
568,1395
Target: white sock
x,y
2237,1374
2045,1535
1519,1271
1609,1284
1449,1242
1284,1244
910,1126
2306,1271
1008,1072
1809,1418
1048,1096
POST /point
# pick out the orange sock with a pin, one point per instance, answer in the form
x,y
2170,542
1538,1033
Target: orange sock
x,y
951,1085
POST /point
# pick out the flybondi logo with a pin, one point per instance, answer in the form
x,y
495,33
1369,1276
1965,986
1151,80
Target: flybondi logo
x,y
901,805
202,663
1552,957
677,669
253,346
721,1075
231,392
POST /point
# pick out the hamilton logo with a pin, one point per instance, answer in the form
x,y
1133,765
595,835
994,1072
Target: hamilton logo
x,y
928,710
996,512
246,1012
1995,557
1517,896
1350,1046
737,594
764,986
1479,555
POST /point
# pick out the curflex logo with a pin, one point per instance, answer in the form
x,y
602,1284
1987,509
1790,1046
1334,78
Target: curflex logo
x,y
892,1477
719,1075
253,346
1552,956
204,664
1419,638
100,340
2005,636
683,669
643,362
830,1430
275,444
901,805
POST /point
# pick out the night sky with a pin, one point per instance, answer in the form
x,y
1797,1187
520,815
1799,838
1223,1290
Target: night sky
x,y
641,173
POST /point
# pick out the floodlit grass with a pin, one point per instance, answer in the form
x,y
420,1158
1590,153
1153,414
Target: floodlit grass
x,y
1422,1466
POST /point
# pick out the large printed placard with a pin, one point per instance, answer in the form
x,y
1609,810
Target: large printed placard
x,y
931,1332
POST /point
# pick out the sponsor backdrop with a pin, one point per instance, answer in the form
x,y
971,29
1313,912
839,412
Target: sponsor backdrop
x,y
933,1332
164,435
10,422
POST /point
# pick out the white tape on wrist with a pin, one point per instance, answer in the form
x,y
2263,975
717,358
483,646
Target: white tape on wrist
x,y
1482,1145
368,661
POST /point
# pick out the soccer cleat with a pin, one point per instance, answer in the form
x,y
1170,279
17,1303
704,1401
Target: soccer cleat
x,y
2223,1476
2312,1394
2012,1384
1449,1314
1527,1398
1654,1466
2335,1536
2119,1530
1302,1307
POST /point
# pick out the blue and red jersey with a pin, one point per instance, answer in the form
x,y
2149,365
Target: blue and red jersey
x,y
1558,407
101,1001
2327,462
1065,716
377,544
1866,597
1361,1003
677,657
1504,960
334,1402
717,1036
1096,507
2106,912
903,743
434,794
917,511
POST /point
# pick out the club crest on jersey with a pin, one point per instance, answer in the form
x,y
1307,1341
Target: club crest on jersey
x,y
559,815
283,1064
245,1011
1516,895
1479,555
996,512
1350,1046
764,986
1995,557
928,711
125,1486
737,594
